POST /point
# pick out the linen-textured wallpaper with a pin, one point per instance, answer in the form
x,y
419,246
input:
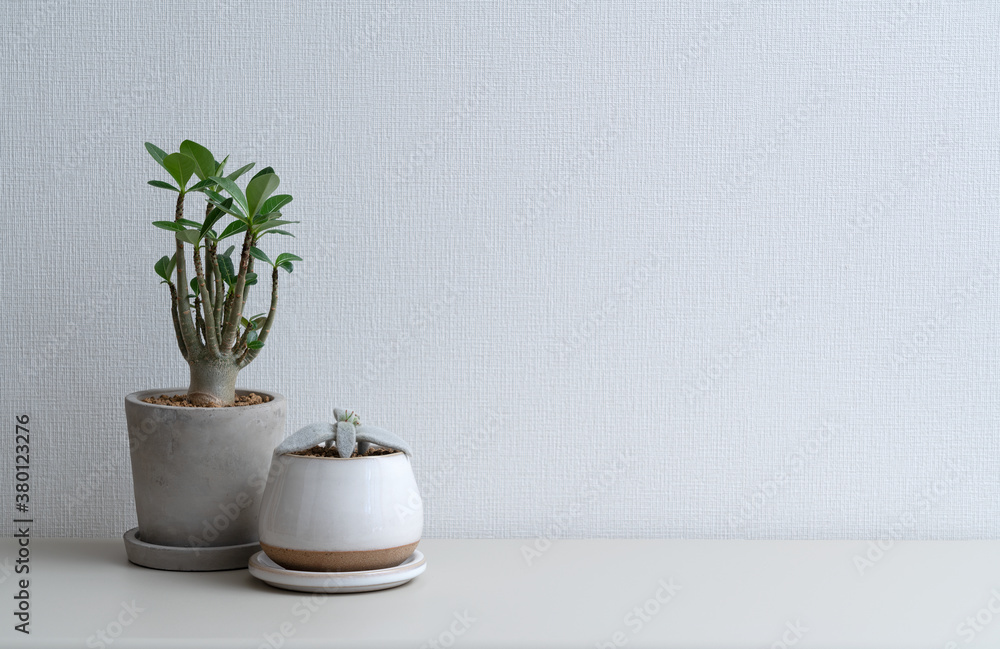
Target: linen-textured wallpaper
x,y
640,269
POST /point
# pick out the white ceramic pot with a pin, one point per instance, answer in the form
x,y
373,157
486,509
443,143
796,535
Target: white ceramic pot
x,y
330,514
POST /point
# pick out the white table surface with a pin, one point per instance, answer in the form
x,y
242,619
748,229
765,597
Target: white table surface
x,y
483,593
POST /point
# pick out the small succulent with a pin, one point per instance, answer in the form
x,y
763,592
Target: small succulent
x,y
346,432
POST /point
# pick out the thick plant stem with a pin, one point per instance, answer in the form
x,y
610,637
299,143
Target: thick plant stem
x,y
199,322
246,288
235,310
177,324
184,318
213,382
220,289
207,314
209,277
251,354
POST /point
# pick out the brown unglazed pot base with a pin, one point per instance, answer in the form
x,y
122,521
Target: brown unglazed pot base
x,y
313,561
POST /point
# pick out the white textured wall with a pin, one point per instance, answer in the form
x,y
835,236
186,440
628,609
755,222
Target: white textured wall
x,y
615,269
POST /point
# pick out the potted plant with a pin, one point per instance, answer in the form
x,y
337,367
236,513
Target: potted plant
x,y
341,497
200,456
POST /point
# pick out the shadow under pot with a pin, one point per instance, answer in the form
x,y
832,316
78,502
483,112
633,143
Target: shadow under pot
x,y
331,514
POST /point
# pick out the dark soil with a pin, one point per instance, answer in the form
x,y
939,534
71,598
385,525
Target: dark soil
x,y
320,451
181,400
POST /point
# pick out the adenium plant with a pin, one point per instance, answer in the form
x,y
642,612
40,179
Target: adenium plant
x,y
213,335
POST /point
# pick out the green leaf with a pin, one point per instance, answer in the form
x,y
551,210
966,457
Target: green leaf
x,y
203,158
220,166
214,197
287,234
273,223
157,153
188,223
233,190
233,228
202,185
230,208
226,269
275,203
239,172
194,286
169,225
257,253
180,167
161,267
190,236
163,185
285,265
251,279
258,189
265,170
255,345
253,322
212,218
286,256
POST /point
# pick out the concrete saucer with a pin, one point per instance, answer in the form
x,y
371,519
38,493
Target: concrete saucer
x,y
191,559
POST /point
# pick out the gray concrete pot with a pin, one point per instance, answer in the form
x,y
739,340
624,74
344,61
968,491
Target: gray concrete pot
x,y
198,475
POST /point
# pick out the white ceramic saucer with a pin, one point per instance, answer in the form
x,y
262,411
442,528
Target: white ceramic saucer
x,y
361,581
